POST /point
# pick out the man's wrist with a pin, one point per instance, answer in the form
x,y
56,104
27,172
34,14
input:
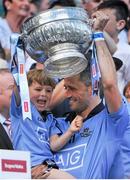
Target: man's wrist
x,y
98,36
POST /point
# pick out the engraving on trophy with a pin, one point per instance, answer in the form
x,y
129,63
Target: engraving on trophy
x,y
65,31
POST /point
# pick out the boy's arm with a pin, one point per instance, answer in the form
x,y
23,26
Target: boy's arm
x,y
58,142
17,95
40,172
58,95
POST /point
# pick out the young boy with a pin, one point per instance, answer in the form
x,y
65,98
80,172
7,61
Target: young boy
x,y
33,135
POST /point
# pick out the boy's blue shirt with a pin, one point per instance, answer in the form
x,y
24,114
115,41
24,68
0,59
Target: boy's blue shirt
x,y
32,135
90,153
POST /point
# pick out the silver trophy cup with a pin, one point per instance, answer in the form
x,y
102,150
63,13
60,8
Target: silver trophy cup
x,y
59,38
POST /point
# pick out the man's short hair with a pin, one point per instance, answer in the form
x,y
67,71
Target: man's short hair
x,y
40,77
121,8
85,77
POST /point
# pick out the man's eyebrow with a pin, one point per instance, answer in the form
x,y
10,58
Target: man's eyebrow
x,y
10,86
69,86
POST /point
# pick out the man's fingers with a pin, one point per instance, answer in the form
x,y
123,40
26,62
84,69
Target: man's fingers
x,y
100,21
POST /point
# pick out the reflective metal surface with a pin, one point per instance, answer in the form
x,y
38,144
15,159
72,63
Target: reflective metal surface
x,y
59,37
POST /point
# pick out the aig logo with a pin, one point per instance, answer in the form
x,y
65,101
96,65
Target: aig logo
x,y
71,158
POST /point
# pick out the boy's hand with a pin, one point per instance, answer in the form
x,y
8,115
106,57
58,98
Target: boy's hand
x,y
40,172
76,124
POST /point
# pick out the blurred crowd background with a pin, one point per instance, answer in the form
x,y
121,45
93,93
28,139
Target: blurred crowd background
x,y
1,9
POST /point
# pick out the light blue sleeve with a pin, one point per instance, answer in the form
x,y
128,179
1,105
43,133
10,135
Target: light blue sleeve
x,y
15,110
53,127
118,121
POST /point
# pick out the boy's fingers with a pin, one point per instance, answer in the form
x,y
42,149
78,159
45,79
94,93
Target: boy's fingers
x,y
46,175
39,172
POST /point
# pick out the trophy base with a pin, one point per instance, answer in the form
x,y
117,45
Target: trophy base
x,y
65,60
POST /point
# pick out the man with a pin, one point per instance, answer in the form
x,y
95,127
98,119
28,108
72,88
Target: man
x,y
6,88
118,14
91,152
124,35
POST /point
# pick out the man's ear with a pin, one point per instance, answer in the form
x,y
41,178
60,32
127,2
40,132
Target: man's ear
x,y
121,25
0,91
89,89
8,5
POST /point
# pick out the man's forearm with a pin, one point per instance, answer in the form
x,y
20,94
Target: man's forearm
x,y
110,43
106,63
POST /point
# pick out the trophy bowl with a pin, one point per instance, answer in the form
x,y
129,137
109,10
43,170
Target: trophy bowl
x,y
59,38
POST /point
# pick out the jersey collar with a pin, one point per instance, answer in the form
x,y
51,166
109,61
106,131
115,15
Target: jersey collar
x,y
95,111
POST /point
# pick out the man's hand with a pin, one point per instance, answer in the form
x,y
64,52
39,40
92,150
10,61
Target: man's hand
x,y
100,20
40,172
76,124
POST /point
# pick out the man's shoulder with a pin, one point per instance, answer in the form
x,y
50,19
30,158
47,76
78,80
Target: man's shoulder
x,y
2,20
123,47
3,23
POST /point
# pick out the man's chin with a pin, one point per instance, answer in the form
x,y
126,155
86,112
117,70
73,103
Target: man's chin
x,y
76,109
73,108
